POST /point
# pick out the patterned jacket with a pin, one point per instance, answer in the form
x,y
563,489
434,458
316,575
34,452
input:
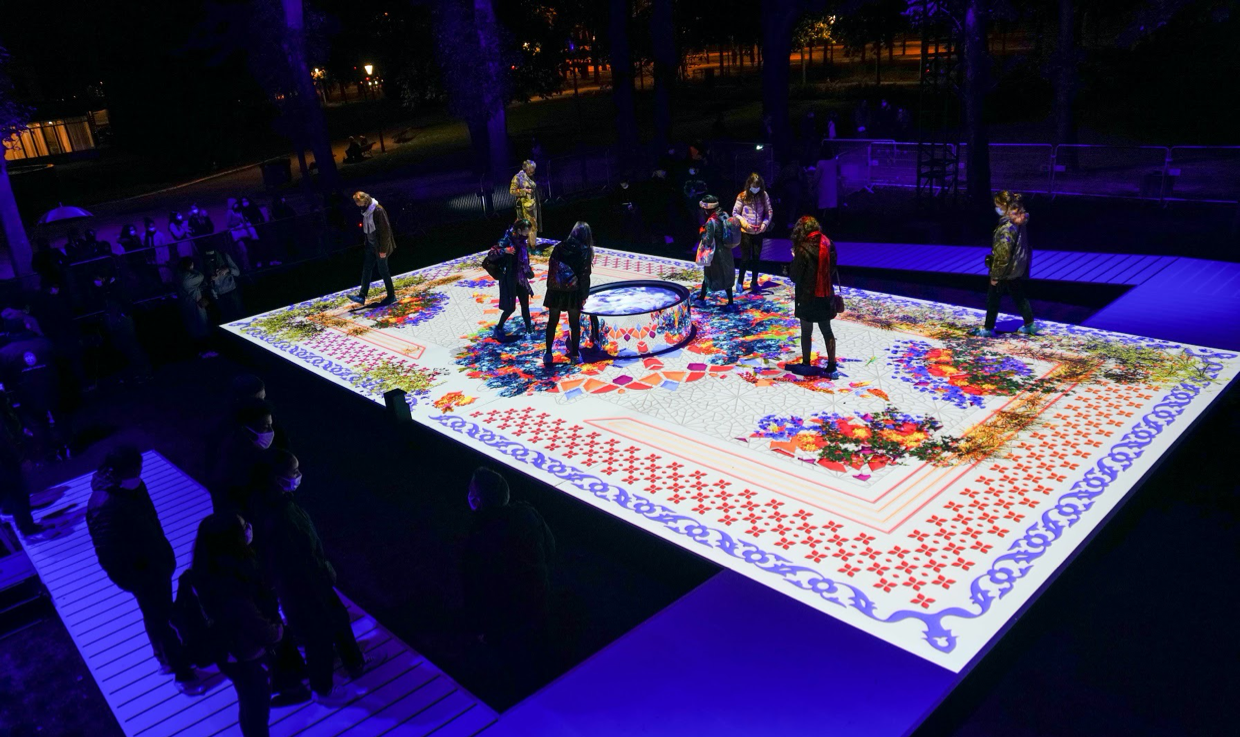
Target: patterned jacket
x,y
756,215
1010,256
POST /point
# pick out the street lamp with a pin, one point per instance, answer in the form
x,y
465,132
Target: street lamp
x,y
370,69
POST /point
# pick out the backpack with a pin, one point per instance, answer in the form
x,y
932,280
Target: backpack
x,y
201,642
731,235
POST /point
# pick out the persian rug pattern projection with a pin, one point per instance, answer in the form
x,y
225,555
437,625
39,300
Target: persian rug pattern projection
x,y
923,496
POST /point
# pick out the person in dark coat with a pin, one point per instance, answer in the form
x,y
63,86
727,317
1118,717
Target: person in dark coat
x,y
813,262
720,273
200,223
568,286
506,567
49,263
52,306
242,609
292,556
14,494
509,262
241,456
380,245
221,273
193,300
1009,263
119,323
132,550
243,389
28,368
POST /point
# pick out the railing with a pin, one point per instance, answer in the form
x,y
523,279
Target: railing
x,y
1176,174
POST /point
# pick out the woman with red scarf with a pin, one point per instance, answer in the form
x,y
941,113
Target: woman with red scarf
x,y
813,262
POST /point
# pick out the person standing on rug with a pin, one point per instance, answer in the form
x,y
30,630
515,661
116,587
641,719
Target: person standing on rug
x,y
1009,262
525,190
292,556
753,207
568,286
813,262
242,610
379,247
508,262
136,556
714,254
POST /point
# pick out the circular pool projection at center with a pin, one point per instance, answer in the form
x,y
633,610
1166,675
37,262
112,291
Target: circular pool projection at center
x,y
638,318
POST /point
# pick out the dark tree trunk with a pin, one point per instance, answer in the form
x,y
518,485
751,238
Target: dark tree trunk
x,y
622,79
309,112
11,221
778,17
1065,84
663,38
976,64
499,159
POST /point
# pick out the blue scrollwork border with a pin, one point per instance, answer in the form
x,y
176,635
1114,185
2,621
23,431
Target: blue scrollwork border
x,y
991,585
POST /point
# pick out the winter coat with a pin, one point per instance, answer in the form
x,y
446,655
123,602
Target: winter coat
x,y
385,241
213,261
1010,255
179,229
190,288
570,266
755,214
506,568
236,470
241,608
128,538
804,274
720,274
292,557
525,190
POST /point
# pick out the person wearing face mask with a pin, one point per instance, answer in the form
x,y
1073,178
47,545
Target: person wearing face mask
x,y
178,227
241,607
506,567
753,208
292,556
132,550
525,191
242,232
200,223
156,243
241,457
1009,263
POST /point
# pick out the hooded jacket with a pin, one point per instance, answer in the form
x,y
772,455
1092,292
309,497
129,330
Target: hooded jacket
x,y
240,607
128,538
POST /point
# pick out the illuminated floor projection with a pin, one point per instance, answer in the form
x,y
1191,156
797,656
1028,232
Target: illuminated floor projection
x,y
923,496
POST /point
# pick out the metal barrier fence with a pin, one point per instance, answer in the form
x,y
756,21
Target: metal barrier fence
x,y
1179,173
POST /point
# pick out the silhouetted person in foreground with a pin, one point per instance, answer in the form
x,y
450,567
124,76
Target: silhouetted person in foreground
x,y
130,544
506,572
243,613
293,558
242,456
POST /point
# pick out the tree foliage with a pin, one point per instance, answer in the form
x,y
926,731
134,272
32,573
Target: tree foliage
x,y
13,115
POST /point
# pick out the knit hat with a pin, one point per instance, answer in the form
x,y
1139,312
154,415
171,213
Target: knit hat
x,y
709,202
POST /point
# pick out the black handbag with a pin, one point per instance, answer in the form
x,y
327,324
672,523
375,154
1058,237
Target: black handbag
x,y
837,299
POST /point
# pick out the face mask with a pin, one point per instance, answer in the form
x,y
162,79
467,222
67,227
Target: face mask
x,y
264,439
249,533
473,502
290,484
624,186
131,484
998,210
755,190
693,171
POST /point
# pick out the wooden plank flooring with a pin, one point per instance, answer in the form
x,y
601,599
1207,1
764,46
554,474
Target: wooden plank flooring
x,y
407,695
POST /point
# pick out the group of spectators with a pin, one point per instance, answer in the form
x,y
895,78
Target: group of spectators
x,y
258,599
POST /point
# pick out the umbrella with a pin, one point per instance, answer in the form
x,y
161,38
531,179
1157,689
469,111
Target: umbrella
x,y
63,213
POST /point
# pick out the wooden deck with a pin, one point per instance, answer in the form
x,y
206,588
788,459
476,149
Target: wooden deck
x,y
407,695
1172,298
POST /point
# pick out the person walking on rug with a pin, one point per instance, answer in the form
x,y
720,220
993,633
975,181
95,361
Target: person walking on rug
x,y
714,253
753,207
292,556
813,263
242,610
380,244
568,286
1009,262
132,550
508,262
